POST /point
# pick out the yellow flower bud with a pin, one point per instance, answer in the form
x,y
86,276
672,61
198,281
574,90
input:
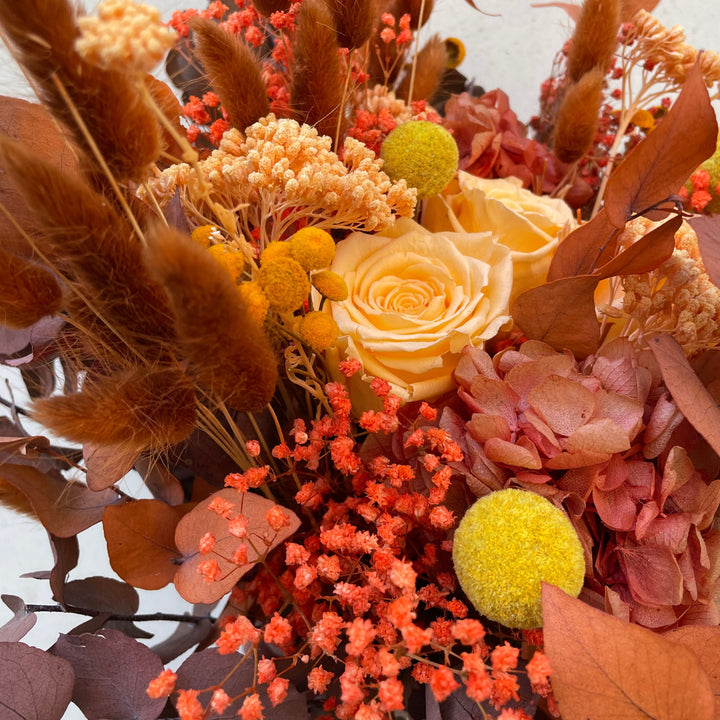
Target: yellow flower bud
x,y
255,299
285,283
318,330
312,247
330,285
230,258
273,250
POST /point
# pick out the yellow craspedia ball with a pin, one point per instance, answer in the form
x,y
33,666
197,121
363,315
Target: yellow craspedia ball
x,y
273,250
285,283
318,330
423,154
330,285
230,258
205,235
507,544
255,300
312,247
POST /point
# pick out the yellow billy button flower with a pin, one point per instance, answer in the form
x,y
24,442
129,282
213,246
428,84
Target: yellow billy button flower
x,y
205,235
255,299
312,247
285,284
318,330
330,285
274,250
507,544
423,154
230,258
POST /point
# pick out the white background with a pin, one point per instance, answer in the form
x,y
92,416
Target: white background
x,y
513,50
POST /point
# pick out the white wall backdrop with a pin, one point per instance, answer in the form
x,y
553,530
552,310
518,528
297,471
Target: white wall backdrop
x,y
511,47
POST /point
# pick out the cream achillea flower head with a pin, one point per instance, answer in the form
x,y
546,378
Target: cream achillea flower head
x,y
125,36
281,172
507,544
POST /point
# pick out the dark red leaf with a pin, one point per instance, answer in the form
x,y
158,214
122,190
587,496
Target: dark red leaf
x,y
34,685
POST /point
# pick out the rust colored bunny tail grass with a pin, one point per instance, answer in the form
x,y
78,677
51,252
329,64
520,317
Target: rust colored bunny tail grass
x,y
90,245
233,72
413,8
316,91
28,291
595,38
170,107
268,7
42,34
229,354
354,21
12,499
431,62
577,117
138,410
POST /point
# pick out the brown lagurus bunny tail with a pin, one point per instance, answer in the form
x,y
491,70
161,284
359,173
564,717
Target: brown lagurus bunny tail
x,y
413,8
42,34
577,117
317,81
91,246
431,63
139,409
268,7
595,38
233,71
28,291
354,21
229,354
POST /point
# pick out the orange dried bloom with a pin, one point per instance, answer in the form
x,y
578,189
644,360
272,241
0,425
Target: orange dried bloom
x,y
504,657
443,683
266,670
221,507
415,637
504,688
162,685
252,708
539,671
235,634
209,569
277,690
319,679
278,631
207,543
240,556
400,612
469,631
188,706
220,701
276,518
360,633
326,633
390,692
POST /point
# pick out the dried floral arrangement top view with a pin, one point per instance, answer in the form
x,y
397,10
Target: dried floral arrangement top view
x,y
424,401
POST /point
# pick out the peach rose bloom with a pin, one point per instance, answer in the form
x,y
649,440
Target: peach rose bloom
x,y
530,225
416,298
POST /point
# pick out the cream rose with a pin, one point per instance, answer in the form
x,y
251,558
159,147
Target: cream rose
x,y
530,225
417,298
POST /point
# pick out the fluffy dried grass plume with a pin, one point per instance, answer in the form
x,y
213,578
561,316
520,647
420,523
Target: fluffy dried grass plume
x,y
414,8
431,62
228,352
268,7
354,21
595,38
137,410
316,90
126,132
233,71
577,116
28,291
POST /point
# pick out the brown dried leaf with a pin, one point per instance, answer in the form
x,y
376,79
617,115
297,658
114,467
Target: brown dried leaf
x,y
653,574
563,404
694,401
140,538
561,313
20,624
606,669
66,552
64,508
107,464
658,166
188,581
707,228
34,685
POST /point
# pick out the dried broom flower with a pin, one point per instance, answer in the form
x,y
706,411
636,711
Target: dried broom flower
x,y
28,291
430,66
42,34
137,409
354,21
268,7
577,116
229,354
233,71
594,39
316,90
91,246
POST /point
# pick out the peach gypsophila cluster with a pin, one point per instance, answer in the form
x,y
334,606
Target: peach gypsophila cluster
x,y
343,600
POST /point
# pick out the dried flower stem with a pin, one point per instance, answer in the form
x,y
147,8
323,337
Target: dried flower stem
x,y
417,51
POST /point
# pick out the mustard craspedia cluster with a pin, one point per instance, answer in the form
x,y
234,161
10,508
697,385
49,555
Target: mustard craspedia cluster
x,y
423,154
230,258
125,36
330,285
206,235
318,330
285,284
255,299
507,544
312,247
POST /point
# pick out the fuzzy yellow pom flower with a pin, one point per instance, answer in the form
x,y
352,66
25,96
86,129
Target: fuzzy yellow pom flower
x,y
273,250
255,299
230,258
330,285
423,154
312,247
285,283
507,544
205,235
318,330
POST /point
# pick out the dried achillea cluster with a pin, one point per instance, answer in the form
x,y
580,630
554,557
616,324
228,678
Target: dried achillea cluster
x,y
281,172
125,35
678,297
